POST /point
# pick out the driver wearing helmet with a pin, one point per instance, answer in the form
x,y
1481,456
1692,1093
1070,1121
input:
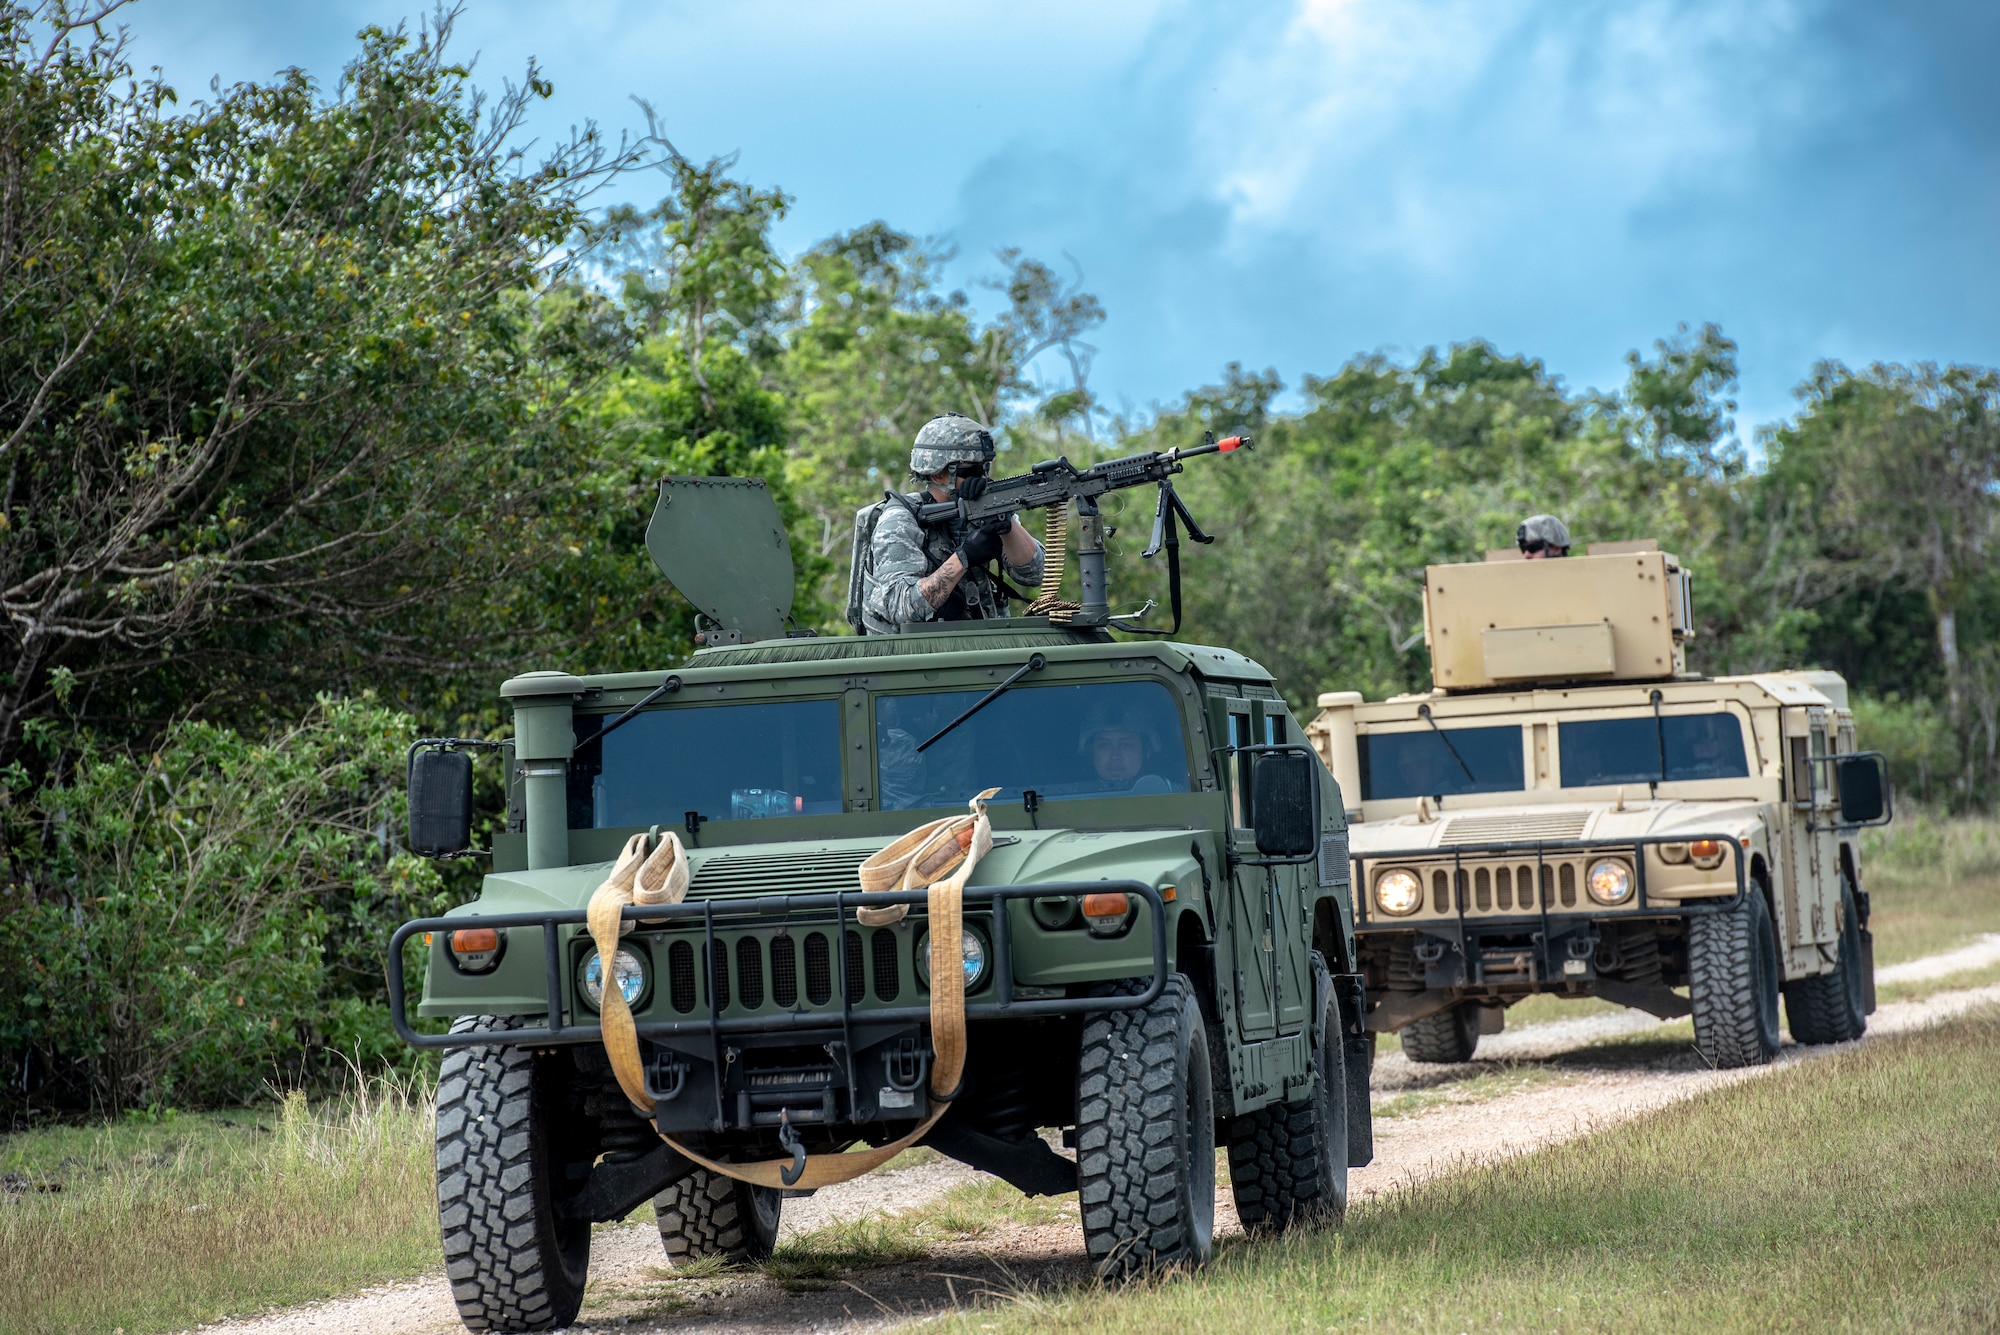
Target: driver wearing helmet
x,y
926,572
1121,746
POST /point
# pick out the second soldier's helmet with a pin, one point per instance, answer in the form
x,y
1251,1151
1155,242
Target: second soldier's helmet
x,y
1545,530
950,439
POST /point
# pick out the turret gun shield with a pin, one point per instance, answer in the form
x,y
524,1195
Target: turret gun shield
x,y
722,544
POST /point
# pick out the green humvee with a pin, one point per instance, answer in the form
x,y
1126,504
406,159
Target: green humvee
x,y
1158,956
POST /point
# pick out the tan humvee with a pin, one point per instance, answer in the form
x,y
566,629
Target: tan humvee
x,y
1569,812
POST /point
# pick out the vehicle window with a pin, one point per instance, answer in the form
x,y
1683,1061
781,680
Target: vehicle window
x,y
728,762
1419,764
1628,750
1103,739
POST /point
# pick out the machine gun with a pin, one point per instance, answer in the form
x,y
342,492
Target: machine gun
x,y
1056,482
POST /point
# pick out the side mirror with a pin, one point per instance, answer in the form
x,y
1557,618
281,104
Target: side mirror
x,y
440,803
1864,788
1286,814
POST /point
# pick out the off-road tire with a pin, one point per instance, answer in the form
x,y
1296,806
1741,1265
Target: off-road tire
x,y
1145,1136
513,1265
1449,1036
1288,1161
707,1214
1828,1008
1733,983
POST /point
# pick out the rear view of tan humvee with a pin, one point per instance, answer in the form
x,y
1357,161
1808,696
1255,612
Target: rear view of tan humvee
x,y
1570,812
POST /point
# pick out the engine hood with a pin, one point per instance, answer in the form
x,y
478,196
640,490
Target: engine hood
x,y
1152,856
1557,824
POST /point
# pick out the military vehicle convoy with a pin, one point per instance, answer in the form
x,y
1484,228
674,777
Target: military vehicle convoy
x,y
1156,954
1569,812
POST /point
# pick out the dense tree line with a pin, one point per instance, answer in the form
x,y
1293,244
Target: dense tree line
x,y
324,408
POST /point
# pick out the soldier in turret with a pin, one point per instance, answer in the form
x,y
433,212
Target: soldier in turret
x,y
1541,537
926,572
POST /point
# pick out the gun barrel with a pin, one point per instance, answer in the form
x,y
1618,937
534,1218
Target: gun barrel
x,y
1059,481
1223,446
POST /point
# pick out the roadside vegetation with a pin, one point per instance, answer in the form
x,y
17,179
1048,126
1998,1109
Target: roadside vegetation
x,y
1853,1193
160,1222
1934,880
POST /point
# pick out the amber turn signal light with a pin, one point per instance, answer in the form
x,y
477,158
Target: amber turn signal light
x,y
476,949
1107,912
1707,853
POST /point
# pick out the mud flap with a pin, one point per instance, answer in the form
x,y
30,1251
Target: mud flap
x,y
1357,1048
1867,972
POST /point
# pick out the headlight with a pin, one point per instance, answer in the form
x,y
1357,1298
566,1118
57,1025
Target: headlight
x,y
1399,892
1609,882
972,951
626,967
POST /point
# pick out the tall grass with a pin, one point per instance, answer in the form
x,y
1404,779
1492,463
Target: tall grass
x,y
1934,881
1854,1193
156,1225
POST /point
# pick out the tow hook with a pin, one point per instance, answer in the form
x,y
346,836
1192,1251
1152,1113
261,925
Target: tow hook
x,y
788,1140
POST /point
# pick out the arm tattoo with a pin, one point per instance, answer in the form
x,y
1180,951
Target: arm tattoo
x,y
935,587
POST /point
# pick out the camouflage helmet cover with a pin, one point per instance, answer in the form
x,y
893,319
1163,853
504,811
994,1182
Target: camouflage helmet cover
x,y
950,439
1552,531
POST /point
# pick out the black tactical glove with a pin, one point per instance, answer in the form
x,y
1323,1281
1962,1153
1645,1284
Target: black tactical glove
x,y
972,488
980,546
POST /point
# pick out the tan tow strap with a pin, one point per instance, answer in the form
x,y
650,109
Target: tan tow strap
x,y
928,851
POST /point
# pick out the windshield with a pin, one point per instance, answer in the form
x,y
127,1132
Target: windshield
x,y
1418,764
1105,739
1627,750
728,762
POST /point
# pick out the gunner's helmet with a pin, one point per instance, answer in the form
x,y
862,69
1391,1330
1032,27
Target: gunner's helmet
x,y
950,439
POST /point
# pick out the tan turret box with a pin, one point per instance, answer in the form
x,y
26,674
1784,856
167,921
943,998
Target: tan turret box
x,y
1619,613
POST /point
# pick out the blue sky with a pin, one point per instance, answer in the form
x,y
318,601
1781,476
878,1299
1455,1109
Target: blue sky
x,y
1286,183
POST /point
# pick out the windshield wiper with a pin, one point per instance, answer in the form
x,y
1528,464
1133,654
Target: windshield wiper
x,y
667,687
1424,711
1035,663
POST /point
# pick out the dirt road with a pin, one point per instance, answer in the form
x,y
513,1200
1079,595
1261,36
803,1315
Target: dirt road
x,y
1528,1088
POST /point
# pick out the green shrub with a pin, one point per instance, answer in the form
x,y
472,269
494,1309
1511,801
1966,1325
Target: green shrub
x,y
182,926
1915,737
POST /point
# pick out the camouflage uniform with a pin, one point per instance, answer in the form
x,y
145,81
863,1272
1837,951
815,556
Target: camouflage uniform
x,y
905,551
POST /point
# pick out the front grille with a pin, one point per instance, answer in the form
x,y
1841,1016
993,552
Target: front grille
x,y
750,972
887,985
819,969
857,977
719,979
784,972
1511,887
680,976
779,873
752,967
1514,829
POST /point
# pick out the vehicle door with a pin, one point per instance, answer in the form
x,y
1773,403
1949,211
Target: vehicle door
x,y
1814,883
1251,962
1268,947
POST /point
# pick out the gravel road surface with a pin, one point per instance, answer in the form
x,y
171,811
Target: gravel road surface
x,y
1529,1088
